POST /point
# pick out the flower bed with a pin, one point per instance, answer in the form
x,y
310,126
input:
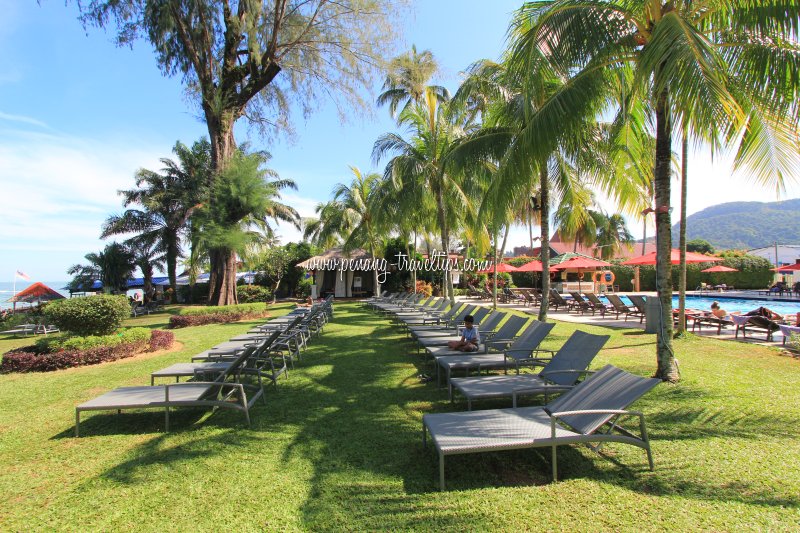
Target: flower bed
x,y
199,316
38,359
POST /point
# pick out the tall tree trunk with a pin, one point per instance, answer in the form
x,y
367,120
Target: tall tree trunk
x,y
530,225
446,280
172,265
682,237
667,369
222,281
415,255
494,271
545,241
223,277
644,236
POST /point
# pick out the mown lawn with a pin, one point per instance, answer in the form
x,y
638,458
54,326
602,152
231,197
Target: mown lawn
x,y
338,446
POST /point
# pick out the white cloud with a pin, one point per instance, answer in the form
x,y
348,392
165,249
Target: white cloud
x,y
57,190
23,119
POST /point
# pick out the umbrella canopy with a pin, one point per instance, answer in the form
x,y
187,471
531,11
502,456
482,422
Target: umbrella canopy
x,y
502,267
38,292
533,266
719,268
581,263
675,258
788,268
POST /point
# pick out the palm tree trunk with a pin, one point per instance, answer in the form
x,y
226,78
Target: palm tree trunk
x,y
445,245
545,240
222,282
667,369
682,237
644,236
494,272
172,263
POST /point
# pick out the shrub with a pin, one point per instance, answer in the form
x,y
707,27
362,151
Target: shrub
x,y
161,340
199,316
89,315
304,288
424,288
253,293
127,344
127,336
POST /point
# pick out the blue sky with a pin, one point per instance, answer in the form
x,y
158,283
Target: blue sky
x,y
78,116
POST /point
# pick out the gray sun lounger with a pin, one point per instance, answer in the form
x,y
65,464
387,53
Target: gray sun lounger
x,y
486,327
559,374
588,413
517,353
217,393
504,336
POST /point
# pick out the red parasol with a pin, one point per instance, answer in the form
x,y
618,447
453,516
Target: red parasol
x,y
675,258
533,266
501,267
788,268
581,263
37,292
719,268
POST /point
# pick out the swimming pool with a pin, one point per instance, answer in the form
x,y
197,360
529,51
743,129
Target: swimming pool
x,y
734,304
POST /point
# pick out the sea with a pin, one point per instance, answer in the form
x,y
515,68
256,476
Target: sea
x,y
7,290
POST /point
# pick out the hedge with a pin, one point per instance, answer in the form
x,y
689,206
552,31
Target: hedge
x,y
253,293
101,314
199,316
30,359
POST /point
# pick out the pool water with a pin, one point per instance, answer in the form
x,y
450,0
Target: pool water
x,y
742,305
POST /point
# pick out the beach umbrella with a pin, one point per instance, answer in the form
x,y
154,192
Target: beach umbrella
x,y
719,268
38,292
675,258
501,267
788,268
581,264
533,266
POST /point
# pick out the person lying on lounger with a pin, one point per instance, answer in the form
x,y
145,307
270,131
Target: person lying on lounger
x,y
469,338
717,311
766,313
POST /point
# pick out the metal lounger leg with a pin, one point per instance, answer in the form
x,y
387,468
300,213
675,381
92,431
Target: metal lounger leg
x,y
555,464
77,423
441,471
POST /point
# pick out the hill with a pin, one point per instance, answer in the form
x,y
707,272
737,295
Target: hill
x,y
744,225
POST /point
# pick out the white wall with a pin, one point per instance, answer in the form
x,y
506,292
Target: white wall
x,y
787,254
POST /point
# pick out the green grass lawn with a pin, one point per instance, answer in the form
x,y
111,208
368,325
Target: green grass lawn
x,y
338,446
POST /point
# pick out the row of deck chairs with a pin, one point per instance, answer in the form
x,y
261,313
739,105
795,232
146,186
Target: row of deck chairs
x,y
230,375
584,412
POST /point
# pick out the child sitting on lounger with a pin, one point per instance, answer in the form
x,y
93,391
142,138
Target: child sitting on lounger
x,y
469,338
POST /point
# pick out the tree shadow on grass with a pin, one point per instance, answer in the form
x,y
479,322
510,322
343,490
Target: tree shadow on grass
x,y
354,408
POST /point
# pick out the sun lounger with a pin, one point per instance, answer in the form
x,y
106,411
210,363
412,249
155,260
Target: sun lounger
x,y
621,308
788,331
217,393
556,300
486,327
504,336
560,373
588,413
757,323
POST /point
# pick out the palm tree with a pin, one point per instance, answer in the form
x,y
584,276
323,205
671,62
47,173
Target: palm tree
x,y
724,71
407,81
612,235
148,256
246,198
168,200
352,215
423,162
113,267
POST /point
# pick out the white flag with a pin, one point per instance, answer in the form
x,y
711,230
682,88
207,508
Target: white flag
x,y
23,275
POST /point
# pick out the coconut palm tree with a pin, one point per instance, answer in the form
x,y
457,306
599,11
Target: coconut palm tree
x,y
148,256
167,200
612,235
725,71
407,81
113,266
352,215
423,161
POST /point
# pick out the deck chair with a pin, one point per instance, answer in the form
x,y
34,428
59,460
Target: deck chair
x,y
580,304
224,392
556,300
443,321
620,308
588,413
598,304
263,358
500,340
560,373
424,337
640,304
758,323
514,355
487,326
